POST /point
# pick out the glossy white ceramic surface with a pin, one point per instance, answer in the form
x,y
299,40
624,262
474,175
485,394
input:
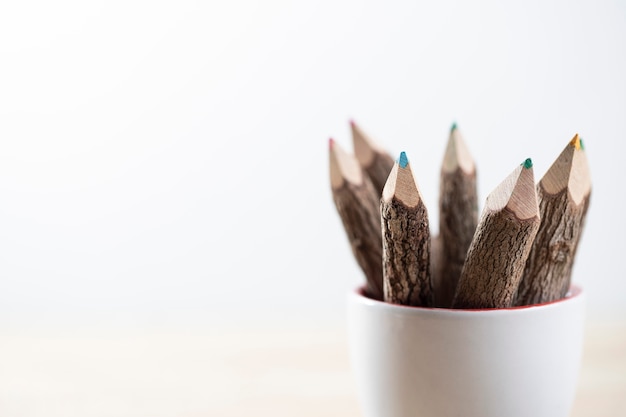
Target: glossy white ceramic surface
x,y
421,362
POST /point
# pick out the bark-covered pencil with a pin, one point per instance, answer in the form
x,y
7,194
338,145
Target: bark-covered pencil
x,y
358,207
498,252
563,194
458,216
406,239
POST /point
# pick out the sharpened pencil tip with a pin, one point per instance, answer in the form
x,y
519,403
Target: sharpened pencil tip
x,y
528,163
352,122
576,142
331,143
403,161
580,142
453,127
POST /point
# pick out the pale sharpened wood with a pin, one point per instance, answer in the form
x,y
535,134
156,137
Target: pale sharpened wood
x,y
458,216
498,252
406,240
563,195
374,160
358,206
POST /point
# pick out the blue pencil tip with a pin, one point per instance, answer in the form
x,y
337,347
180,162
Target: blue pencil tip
x,y
403,160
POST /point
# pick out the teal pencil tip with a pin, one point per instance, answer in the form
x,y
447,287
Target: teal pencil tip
x,y
403,161
582,145
453,127
528,163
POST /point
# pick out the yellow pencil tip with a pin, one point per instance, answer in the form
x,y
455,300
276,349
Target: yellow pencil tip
x,y
575,142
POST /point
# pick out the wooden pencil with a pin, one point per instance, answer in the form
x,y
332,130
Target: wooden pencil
x,y
458,216
406,239
374,160
358,207
563,195
498,252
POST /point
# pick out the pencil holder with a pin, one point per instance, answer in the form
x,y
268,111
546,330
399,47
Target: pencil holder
x,y
430,362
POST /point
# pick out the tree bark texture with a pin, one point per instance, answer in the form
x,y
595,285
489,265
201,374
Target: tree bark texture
x,y
458,216
406,254
548,270
435,264
359,212
495,261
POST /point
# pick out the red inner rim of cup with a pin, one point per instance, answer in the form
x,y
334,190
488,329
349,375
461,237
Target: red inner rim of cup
x,y
573,292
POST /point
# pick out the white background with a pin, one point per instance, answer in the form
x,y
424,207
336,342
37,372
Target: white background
x,y
167,161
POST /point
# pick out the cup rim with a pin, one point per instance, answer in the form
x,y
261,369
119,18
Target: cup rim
x,y
575,293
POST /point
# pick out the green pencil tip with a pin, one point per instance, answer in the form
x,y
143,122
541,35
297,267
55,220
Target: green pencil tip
x,y
403,161
528,163
582,145
453,127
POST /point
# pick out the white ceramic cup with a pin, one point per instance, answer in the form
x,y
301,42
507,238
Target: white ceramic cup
x,y
431,362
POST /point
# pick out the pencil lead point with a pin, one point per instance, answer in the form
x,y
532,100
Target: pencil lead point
x,y
403,161
453,127
528,163
575,142
352,122
331,143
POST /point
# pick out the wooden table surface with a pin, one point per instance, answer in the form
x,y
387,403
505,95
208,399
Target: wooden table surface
x,y
226,371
